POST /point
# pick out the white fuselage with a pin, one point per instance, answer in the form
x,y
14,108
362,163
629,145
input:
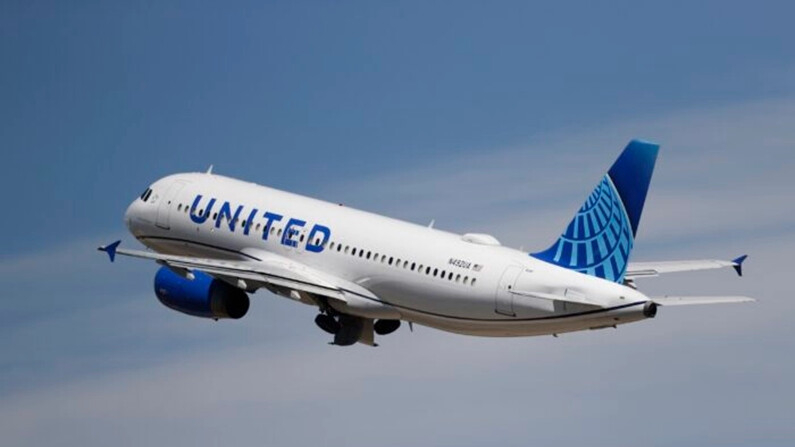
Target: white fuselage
x,y
466,284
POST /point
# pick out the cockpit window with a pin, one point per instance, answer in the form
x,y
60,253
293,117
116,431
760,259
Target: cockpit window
x,y
146,194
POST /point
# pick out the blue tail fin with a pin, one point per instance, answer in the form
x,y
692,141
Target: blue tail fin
x,y
599,239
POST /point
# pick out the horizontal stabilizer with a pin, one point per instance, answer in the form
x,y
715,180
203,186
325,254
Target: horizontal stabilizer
x,y
650,269
694,300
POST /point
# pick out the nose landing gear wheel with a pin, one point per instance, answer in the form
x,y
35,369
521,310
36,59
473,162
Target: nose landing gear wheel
x,y
327,323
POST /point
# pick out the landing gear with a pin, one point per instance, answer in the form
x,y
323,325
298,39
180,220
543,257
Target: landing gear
x,y
348,329
327,323
385,327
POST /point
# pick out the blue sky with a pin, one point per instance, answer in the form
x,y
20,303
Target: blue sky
x,y
486,117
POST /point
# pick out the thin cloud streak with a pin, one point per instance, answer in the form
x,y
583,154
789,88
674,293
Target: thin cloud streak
x,y
270,378
716,150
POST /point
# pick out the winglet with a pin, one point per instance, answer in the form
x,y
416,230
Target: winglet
x,y
110,249
738,264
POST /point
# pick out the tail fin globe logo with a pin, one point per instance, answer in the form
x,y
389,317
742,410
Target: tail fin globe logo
x,y
599,240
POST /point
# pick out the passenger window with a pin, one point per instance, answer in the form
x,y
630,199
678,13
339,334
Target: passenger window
x,y
458,278
347,249
353,251
390,260
412,266
428,270
466,279
368,255
473,282
435,272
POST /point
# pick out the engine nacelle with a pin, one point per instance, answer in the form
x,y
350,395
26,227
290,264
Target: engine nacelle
x,y
203,296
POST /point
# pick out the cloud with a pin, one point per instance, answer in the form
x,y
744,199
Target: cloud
x,y
131,372
68,277
733,154
684,368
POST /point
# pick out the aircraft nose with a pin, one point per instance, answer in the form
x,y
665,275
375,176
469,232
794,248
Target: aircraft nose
x,y
131,214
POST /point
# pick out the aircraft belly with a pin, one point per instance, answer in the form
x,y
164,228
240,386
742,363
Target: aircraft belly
x,y
530,327
440,300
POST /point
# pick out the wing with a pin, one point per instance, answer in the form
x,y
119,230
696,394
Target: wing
x,y
692,300
651,269
277,273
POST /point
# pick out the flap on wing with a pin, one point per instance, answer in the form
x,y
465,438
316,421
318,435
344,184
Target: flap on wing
x,y
650,269
694,300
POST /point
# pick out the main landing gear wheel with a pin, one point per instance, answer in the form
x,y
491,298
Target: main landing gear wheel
x,y
327,323
350,330
384,327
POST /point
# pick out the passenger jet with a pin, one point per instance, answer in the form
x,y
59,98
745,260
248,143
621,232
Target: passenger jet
x,y
219,239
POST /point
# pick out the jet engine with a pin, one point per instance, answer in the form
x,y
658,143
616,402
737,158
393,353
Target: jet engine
x,y
203,296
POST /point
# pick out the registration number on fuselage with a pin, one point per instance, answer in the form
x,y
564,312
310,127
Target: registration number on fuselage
x,y
460,263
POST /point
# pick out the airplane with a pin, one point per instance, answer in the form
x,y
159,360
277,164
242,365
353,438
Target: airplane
x,y
219,239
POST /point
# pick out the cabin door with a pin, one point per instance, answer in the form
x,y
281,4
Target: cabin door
x,y
167,205
503,303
